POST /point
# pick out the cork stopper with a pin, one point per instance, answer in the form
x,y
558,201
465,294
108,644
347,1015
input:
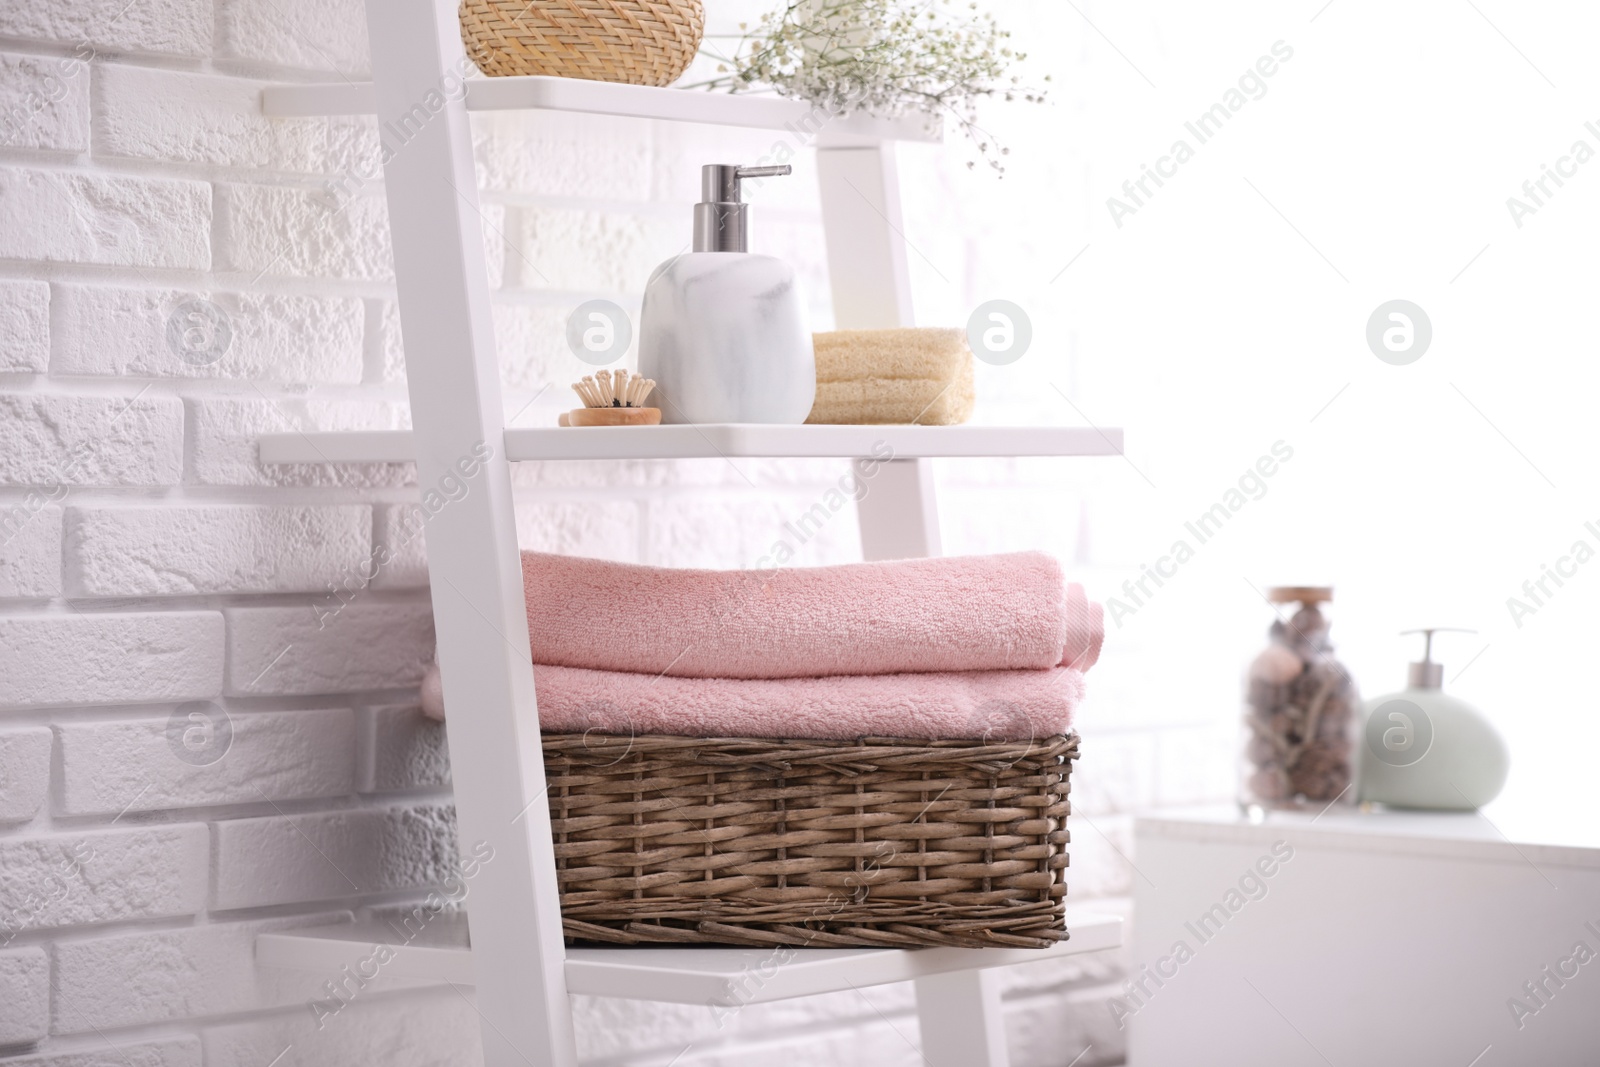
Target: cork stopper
x,y
1300,594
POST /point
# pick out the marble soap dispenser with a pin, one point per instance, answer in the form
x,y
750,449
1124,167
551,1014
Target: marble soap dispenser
x,y
723,331
1426,749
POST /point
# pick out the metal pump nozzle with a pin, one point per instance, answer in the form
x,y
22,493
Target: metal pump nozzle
x,y
720,217
1428,674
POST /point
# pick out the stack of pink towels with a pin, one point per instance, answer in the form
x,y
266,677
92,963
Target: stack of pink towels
x,y
990,647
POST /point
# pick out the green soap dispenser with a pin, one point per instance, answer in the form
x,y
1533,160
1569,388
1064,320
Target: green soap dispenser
x,y
1425,749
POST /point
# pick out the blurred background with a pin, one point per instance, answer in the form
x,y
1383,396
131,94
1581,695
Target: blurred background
x,y
1231,310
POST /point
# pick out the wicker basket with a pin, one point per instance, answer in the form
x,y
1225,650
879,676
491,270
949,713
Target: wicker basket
x,y
810,843
642,42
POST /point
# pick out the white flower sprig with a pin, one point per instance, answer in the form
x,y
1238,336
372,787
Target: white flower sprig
x,y
884,57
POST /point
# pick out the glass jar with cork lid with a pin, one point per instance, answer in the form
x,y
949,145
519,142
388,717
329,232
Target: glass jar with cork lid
x,y
1300,723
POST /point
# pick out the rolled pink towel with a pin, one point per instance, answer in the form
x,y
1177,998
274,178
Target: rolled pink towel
x,y
961,613
980,705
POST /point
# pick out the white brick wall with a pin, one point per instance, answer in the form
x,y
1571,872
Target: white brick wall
x,y
223,432
181,117
123,221
108,768
107,982
158,583
403,1032
25,990
332,647
290,858
101,876
320,35
171,27
24,772
24,326
30,549
81,440
43,104
123,658
401,749
104,330
163,551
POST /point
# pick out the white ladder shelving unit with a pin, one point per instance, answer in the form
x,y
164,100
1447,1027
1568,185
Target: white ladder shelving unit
x,y
517,960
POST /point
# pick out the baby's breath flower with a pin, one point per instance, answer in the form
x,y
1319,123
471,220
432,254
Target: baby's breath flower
x,y
882,57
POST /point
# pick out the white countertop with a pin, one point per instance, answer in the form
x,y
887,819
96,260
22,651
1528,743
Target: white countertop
x,y
1501,832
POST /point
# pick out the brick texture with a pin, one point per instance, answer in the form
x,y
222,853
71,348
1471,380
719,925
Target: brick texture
x,y
406,1032
24,773
107,982
304,233
603,530
223,433
123,658
99,876
607,530
24,325
401,749
315,34
24,996
30,548
592,251
60,440
531,341
707,530
174,27
153,333
318,233
141,765
177,116
288,858
401,539
329,648
80,218
156,551
44,103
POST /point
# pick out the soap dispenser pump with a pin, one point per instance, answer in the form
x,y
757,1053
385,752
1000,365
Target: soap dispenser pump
x,y
723,331
1428,750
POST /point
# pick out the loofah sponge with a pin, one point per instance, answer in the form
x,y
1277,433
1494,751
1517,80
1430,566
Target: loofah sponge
x,y
921,375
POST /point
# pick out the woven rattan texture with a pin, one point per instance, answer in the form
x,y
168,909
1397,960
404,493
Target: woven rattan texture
x,y
822,844
641,42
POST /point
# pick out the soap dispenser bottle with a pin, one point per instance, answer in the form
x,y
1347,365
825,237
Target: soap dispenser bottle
x,y
722,331
1426,749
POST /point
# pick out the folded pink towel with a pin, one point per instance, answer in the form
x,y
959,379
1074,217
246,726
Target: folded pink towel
x,y
984,705
960,613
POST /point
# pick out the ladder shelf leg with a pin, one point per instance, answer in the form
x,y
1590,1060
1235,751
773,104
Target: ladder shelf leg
x,y
961,1020
899,515
518,954
871,288
959,1013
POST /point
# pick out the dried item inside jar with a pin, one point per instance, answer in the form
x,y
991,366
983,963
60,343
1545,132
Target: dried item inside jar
x,y
1300,701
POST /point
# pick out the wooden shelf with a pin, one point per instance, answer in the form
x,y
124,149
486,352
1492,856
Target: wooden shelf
x,y
439,952
727,440
608,98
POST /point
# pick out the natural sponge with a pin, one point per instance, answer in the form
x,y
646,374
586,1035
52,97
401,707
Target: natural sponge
x,y
920,374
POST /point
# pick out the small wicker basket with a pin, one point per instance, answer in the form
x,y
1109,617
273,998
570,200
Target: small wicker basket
x,y
810,843
641,42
